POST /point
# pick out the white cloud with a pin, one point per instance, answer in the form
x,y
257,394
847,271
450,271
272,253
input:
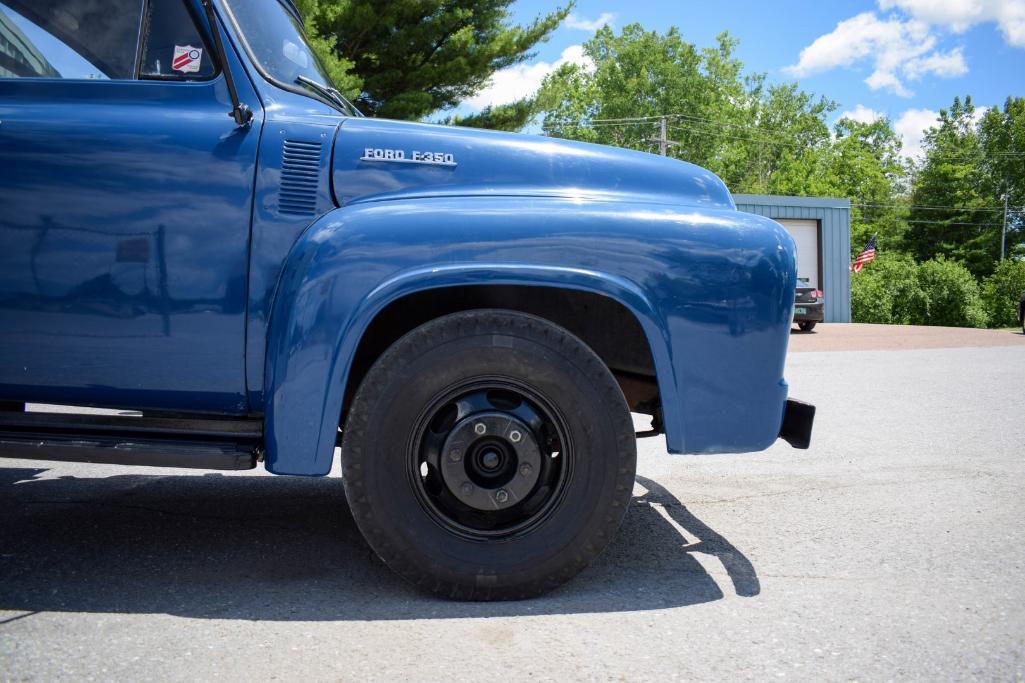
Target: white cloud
x,y
590,25
899,50
945,64
862,114
960,15
852,39
523,80
887,80
911,127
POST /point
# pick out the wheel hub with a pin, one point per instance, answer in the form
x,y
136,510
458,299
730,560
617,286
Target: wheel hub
x,y
490,461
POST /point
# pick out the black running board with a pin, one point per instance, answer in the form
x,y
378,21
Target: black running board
x,y
192,442
151,453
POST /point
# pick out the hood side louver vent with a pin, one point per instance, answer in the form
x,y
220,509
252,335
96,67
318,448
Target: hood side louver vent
x,y
300,178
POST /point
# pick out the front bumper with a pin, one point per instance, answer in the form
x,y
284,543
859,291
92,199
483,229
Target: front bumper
x,y
808,312
798,418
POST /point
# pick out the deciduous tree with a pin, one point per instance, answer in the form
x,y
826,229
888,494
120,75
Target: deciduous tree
x,y
951,212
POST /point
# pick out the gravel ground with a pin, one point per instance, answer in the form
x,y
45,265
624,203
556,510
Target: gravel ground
x,y
892,549
863,337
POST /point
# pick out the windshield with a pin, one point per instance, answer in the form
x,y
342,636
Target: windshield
x,y
277,42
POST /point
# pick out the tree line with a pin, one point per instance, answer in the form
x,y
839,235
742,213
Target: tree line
x,y
938,219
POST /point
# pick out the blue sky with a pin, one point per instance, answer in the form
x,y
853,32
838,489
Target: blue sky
x,y
904,59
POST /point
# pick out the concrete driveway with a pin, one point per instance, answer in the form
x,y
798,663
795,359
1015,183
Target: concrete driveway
x,y
893,548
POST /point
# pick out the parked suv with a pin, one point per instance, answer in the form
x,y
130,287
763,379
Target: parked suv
x,y
808,306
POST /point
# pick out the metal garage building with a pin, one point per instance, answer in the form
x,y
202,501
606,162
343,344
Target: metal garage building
x,y
821,226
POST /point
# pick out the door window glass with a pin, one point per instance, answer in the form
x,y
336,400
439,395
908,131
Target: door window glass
x,y
173,47
69,38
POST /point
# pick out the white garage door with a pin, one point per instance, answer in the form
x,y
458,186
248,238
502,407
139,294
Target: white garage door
x,y
806,234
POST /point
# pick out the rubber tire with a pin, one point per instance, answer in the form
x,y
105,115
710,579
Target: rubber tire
x,y
807,325
416,369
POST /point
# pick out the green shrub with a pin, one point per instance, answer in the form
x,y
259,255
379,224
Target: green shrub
x,y
951,296
871,301
886,291
1001,292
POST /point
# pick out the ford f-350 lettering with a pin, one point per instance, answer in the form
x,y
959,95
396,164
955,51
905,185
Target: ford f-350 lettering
x,y
195,226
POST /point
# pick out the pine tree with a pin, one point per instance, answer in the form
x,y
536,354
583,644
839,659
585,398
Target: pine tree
x,y
407,59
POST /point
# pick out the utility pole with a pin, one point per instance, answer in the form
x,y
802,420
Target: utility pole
x,y
1003,231
664,143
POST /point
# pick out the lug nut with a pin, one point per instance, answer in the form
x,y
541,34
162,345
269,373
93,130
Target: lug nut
x,y
480,428
515,436
456,455
501,495
466,488
526,469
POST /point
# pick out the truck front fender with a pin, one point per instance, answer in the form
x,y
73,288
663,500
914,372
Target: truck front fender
x,y
679,271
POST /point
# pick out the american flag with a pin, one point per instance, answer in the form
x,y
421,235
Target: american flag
x,y
866,256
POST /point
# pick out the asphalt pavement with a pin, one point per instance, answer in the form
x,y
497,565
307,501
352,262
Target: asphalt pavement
x,y
892,549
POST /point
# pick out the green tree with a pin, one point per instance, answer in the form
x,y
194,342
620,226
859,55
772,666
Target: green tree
x,y
339,69
951,212
406,59
789,143
871,300
862,163
1001,292
865,164
719,118
951,295
758,138
887,291
636,74
1002,138
510,117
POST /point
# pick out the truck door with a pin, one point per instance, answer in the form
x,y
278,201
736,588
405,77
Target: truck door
x,y
125,205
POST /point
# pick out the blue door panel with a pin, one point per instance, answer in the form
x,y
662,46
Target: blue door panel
x,y
124,237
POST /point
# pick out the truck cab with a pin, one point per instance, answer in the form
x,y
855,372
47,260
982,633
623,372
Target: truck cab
x,y
200,233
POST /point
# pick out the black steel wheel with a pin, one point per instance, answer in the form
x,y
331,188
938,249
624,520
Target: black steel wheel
x,y
806,325
487,458
488,455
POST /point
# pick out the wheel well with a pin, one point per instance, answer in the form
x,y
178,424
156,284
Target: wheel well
x,y
610,329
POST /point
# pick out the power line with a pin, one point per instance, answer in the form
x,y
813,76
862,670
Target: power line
x,y
981,153
936,222
634,118
647,120
777,142
690,117
927,207
611,125
695,124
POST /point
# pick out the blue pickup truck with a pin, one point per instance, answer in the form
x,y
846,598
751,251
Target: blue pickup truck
x,y
198,229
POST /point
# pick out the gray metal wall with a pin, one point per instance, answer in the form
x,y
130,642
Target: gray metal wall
x,y
834,216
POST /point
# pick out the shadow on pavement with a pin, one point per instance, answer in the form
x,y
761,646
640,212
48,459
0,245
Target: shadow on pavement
x,y
277,548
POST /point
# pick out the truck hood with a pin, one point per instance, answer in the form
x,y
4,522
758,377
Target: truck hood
x,y
378,160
